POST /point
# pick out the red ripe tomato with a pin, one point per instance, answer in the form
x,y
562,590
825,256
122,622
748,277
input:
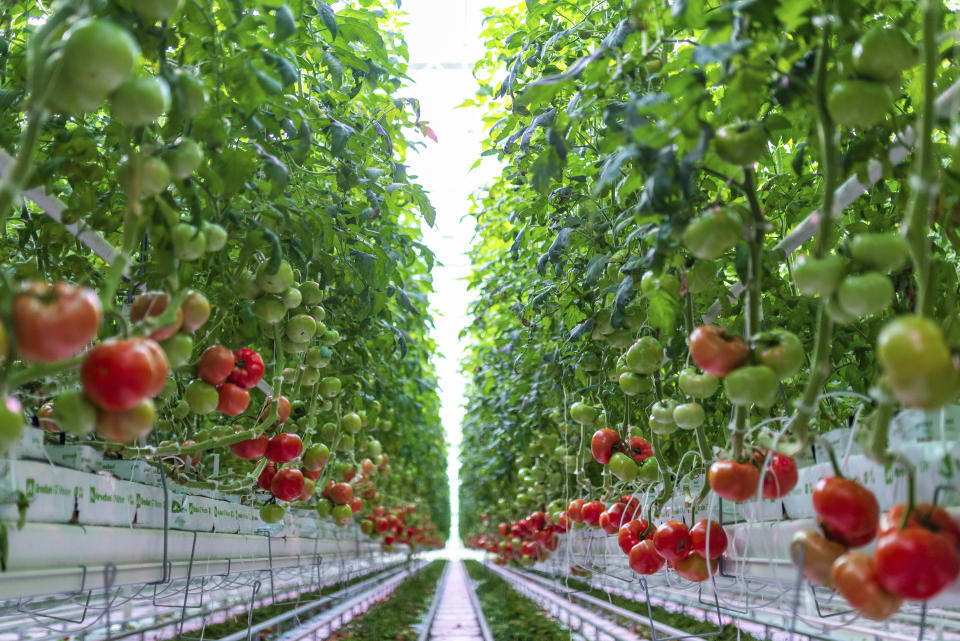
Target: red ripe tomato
x,y
716,351
366,467
266,476
608,524
563,522
601,445
916,563
854,576
591,513
349,473
313,475
247,369
694,568
284,448
924,515
644,558
640,449
129,425
287,484
503,529
54,322
233,399
717,538
250,449
552,543
153,304
734,481
631,507
848,512
120,373
215,364
632,533
574,510
356,504
672,541
781,476
283,410
341,493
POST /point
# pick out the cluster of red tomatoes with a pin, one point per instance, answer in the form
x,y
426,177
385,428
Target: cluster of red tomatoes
x,y
739,481
622,457
529,540
401,525
228,376
916,555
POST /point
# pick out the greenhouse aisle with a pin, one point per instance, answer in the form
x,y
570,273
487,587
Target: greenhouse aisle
x,y
456,619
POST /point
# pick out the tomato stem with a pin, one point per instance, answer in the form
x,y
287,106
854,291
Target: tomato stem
x,y
42,370
924,179
825,444
820,357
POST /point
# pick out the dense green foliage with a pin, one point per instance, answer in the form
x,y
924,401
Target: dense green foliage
x,y
300,115
618,123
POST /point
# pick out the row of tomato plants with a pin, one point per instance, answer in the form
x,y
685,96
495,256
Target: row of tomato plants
x,y
265,298
636,257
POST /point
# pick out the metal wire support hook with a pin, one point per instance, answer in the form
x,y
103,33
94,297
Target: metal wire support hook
x,y
253,596
21,605
109,576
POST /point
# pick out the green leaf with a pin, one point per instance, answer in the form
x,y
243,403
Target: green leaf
x,y
328,17
335,67
546,168
340,134
286,24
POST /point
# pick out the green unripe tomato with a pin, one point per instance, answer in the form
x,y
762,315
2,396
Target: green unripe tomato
x,y
247,284
583,413
301,328
151,11
741,144
689,416
309,376
178,349
191,95
202,397
623,467
752,385
697,384
865,294
634,317
634,384
319,357
917,362
663,429
189,243
11,422
139,102
644,356
859,103
330,387
347,443
884,252
293,347
324,508
649,471
269,309
779,350
184,159
98,55
292,298
275,283
312,294
882,53
328,432
330,337
271,513
74,413
662,411
819,276
181,409
713,233
351,422
215,235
